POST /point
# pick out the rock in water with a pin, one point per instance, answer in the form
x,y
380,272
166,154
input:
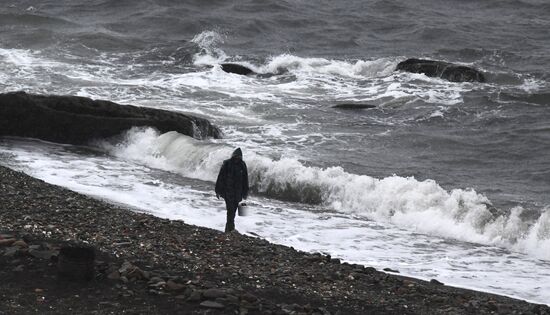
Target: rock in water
x,y
78,120
440,69
354,106
236,68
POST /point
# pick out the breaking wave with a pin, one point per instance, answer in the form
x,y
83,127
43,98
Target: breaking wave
x,y
424,206
211,54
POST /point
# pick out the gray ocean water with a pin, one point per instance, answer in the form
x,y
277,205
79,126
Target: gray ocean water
x,y
493,137
486,144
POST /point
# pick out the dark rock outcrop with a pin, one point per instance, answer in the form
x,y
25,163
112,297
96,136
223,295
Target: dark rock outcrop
x,y
236,69
354,106
78,120
243,70
441,69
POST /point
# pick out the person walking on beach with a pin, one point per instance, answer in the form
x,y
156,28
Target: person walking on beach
x,y
232,186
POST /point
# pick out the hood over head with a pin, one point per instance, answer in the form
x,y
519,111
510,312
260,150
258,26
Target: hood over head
x,y
237,153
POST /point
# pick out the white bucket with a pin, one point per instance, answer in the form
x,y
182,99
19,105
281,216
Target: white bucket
x,y
243,209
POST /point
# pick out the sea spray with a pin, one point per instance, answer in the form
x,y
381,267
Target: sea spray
x,y
424,206
309,66
210,53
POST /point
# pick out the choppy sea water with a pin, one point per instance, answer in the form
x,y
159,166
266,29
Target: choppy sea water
x,y
442,180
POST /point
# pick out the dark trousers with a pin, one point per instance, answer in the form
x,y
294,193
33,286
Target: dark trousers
x,y
231,205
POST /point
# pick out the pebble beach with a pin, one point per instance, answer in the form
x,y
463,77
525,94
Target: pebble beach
x,y
148,265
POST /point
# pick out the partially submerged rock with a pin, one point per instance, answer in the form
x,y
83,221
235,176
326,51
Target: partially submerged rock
x,y
243,70
236,69
441,69
354,106
78,120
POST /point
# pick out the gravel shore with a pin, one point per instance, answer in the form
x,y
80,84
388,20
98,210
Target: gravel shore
x,y
149,265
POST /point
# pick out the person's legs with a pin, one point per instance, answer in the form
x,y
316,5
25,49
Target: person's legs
x,y
231,206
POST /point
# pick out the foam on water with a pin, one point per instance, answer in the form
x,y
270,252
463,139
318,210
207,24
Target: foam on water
x,y
310,66
209,42
424,206
351,238
18,57
301,83
344,80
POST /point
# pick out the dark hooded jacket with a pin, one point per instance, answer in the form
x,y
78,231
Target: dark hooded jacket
x,y
232,180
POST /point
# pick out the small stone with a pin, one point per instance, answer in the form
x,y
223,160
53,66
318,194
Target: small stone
x,y
42,254
434,281
35,247
20,243
232,299
18,268
249,297
115,275
124,279
155,280
214,293
38,290
492,305
125,268
158,284
195,296
180,297
10,252
336,275
135,273
369,270
391,270
473,304
7,242
212,304
146,275
171,285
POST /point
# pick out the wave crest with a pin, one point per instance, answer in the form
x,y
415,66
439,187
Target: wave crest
x,y
405,201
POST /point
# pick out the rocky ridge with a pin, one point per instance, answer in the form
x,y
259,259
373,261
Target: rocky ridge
x,y
79,120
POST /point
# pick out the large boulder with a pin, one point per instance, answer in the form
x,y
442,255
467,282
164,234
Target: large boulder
x,y
78,120
441,69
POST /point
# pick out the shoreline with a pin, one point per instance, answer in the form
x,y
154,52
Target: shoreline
x,y
197,260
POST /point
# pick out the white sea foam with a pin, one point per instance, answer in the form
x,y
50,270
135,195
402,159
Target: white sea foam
x,y
209,42
310,66
422,205
343,80
532,85
17,57
306,80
